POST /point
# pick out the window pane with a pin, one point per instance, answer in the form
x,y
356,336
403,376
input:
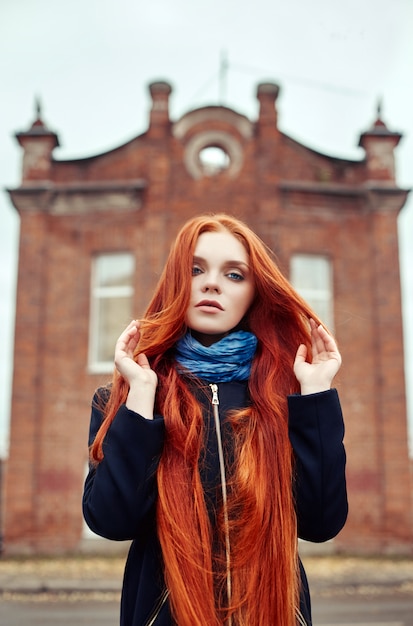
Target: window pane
x,y
310,272
111,306
311,275
114,270
113,315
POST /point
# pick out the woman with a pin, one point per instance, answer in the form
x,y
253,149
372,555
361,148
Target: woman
x,y
219,440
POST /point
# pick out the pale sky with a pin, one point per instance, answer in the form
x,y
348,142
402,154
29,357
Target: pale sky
x,y
90,61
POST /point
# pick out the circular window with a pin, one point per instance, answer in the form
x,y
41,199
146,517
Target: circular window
x,y
211,152
213,160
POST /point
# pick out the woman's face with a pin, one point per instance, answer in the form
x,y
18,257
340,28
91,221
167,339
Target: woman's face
x,y
222,286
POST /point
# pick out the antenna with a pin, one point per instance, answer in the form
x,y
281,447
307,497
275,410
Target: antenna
x,y
223,72
38,107
379,107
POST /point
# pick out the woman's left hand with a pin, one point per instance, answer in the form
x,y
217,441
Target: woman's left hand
x,y
326,361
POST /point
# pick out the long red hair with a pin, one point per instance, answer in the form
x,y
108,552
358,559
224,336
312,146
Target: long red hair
x,y
263,528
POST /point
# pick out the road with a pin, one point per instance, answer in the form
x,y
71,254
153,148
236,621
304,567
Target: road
x,y
366,610
378,609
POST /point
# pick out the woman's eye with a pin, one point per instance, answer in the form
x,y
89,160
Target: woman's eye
x,y
196,270
235,276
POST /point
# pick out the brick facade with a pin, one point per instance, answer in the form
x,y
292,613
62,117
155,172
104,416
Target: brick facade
x,y
134,198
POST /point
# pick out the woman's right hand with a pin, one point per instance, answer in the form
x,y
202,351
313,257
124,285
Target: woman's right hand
x,y
138,374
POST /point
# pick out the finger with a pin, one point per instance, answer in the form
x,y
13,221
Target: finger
x,y
301,354
328,339
130,331
132,326
322,341
317,342
126,344
142,360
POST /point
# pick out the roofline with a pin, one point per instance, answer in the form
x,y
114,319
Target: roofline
x,y
322,154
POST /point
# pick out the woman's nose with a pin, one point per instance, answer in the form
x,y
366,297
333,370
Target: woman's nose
x,y
211,284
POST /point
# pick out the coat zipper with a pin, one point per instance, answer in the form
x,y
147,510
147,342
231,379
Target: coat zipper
x,y
300,618
157,608
215,404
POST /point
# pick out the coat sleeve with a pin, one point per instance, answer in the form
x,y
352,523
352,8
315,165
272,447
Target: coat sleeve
x,y
120,492
316,430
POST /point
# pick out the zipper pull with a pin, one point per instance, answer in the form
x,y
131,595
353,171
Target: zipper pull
x,y
214,389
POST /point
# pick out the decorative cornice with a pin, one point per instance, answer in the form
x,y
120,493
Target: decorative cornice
x,y
336,189
79,197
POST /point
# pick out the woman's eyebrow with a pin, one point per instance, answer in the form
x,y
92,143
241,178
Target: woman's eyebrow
x,y
234,262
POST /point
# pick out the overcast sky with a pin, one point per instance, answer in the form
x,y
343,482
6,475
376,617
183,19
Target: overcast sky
x,y
90,61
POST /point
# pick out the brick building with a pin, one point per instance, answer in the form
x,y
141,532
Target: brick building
x,y
94,235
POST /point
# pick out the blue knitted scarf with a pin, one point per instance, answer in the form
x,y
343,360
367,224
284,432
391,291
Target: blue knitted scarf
x,y
223,361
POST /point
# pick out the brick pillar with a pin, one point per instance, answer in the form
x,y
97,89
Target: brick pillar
x,y
25,435
159,167
266,162
267,94
380,485
390,400
159,122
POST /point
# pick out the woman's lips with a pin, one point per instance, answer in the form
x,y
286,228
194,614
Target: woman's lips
x,y
210,304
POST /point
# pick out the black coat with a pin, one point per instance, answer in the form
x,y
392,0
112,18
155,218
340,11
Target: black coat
x,y
120,494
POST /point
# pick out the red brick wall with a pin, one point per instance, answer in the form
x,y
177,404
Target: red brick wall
x,y
134,198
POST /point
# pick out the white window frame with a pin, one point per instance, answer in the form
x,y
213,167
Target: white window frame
x,y
97,294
